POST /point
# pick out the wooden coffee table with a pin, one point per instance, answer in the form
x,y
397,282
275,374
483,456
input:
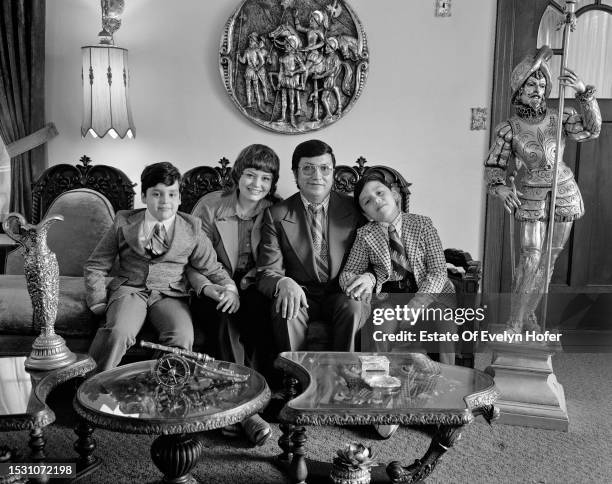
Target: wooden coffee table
x,y
332,393
129,399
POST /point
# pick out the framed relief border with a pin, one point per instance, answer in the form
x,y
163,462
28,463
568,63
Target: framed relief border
x,y
294,66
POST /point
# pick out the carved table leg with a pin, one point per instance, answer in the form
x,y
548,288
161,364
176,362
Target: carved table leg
x,y
284,442
37,445
84,445
443,440
176,456
290,385
298,470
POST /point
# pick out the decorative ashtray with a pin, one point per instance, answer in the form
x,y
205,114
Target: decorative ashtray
x,y
383,381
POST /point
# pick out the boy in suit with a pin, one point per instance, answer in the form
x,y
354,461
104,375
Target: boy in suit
x,y
154,247
398,252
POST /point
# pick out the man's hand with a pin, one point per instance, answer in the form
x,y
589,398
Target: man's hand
x,y
228,299
571,79
509,197
290,298
360,287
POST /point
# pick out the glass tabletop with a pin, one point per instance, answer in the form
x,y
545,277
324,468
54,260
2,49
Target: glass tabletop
x,y
337,383
133,392
16,386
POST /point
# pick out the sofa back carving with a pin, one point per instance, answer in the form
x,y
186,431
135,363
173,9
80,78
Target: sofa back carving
x,y
110,182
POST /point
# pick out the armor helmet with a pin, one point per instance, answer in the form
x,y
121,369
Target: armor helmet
x,y
320,18
292,41
530,64
332,42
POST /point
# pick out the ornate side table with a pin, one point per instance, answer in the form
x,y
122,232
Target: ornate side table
x,y
447,397
130,399
23,395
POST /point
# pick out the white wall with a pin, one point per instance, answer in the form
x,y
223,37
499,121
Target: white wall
x,y
414,113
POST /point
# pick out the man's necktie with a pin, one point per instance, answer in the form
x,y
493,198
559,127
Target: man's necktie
x,y
399,264
158,243
319,241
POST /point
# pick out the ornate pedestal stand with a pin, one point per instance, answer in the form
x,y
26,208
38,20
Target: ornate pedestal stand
x,y
49,350
531,396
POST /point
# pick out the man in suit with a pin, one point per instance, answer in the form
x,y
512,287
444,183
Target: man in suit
x,y
154,247
303,246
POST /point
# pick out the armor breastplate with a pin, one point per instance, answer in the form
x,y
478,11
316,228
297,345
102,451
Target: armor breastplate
x,y
534,145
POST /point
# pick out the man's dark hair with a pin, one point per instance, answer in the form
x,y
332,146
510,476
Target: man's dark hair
x,y
258,157
163,172
310,148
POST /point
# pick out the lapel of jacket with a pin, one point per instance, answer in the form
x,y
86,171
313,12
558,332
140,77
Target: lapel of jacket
x,y
131,230
410,239
256,234
339,227
297,231
228,232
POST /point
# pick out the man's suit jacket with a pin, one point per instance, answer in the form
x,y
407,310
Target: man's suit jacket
x,y
286,244
217,210
424,252
137,270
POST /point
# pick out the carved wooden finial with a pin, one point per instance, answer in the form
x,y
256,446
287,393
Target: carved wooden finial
x,y
86,160
224,162
361,161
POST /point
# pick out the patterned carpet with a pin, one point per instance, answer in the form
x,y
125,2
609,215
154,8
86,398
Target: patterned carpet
x,y
498,454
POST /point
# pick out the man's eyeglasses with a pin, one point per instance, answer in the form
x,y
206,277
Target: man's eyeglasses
x,y
309,169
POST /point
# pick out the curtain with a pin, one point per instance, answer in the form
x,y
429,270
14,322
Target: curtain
x,y
22,76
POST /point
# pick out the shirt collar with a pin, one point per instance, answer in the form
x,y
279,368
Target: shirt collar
x,y
324,203
150,221
397,223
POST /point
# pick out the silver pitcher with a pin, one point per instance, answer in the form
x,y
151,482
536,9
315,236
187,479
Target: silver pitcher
x,y
49,350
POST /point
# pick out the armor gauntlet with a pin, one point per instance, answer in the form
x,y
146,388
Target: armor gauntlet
x,y
497,160
587,125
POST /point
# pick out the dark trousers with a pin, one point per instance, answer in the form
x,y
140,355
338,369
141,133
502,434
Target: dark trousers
x,y
244,337
345,316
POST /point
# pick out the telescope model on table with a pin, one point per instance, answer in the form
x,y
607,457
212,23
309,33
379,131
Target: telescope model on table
x,y
173,370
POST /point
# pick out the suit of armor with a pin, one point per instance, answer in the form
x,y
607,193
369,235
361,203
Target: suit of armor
x,y
530,138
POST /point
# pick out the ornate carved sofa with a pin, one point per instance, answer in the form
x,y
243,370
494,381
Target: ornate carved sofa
x,y
87,196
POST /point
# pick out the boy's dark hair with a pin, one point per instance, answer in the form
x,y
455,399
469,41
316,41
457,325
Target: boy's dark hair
x,y
373,175
163,172
258,157
310,148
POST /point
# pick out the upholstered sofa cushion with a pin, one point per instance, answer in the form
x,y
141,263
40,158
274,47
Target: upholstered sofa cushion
x,y
87,216
74,319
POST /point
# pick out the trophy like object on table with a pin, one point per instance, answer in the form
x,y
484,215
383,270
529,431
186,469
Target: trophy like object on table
x,y
49,350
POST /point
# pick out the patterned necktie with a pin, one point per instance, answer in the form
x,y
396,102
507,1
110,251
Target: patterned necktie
x,y
158,243
399,264
319,241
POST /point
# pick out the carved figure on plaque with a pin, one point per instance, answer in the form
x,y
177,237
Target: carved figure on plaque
x,y
293,58
255,59
529,139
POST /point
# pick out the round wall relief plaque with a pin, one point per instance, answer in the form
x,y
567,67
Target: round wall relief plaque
x,y
294,66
